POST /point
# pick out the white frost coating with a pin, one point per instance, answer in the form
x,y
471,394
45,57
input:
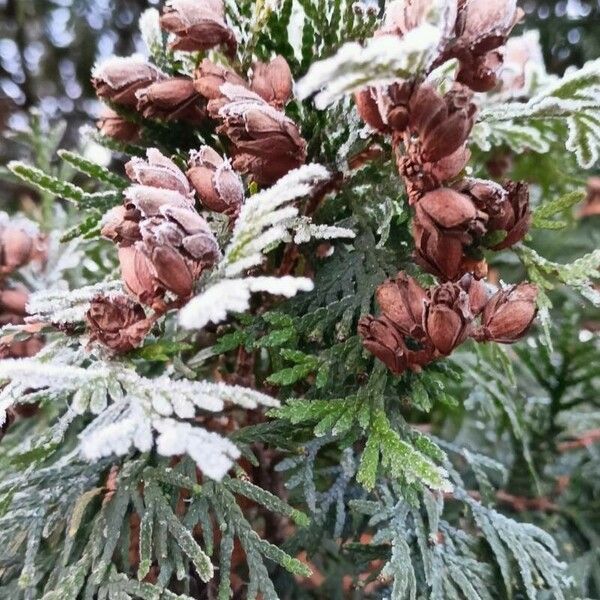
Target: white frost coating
x,y
441,13
22,223
150,29
263,218
233,295
103,437
213,453
63,306
135,66
133,412
192,12
383,59
575,99
305,231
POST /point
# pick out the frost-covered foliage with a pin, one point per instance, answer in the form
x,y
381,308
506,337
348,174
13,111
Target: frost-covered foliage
x,y
572,102
186,407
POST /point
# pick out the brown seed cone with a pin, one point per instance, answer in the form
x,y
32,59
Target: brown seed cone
x,y
516,217
384,108
138,275
442,123
158,171
369,110
264,170
447,317
118,79
209,77
218,186
20,244
197,25
509,314
440,255
445,212
112,125
13,301
164,243
480,73
482,27
478,292
273,81
591,206
382,339
402,301
174,99
267,143
117,323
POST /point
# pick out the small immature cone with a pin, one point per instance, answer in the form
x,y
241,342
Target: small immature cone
x,y
273,81
209,77
509,314
121,225
402,301
448,317
20,244
112,125
480,73
118,79
174,99
382,339
9,348
197,25
515,218
117,323
218,186
477,291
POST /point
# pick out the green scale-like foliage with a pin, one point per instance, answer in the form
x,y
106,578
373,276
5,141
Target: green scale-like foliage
x,y
427,485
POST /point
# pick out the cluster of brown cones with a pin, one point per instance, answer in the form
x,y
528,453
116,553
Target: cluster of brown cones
x,y
265,143
455,218
418,326
20,244
164,244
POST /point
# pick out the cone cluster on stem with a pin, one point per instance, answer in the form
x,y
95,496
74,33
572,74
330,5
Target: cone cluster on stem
x,y
418,326
455,218
164,243
265,143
